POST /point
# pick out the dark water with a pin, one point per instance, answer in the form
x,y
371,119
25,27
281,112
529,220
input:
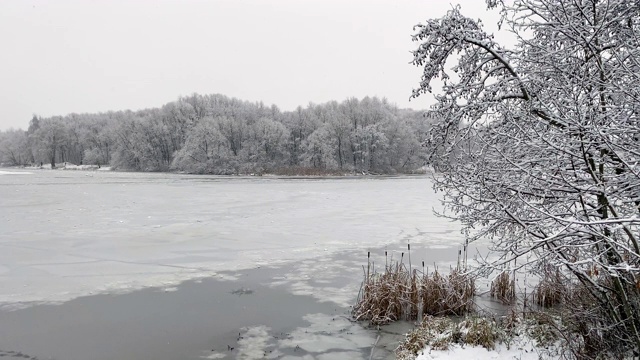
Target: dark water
x,y
249,317
196,320
154,324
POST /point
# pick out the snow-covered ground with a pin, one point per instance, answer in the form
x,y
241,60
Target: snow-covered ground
x,y
66,234
520,349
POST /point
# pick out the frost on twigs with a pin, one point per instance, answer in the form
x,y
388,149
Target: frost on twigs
x,y
538,146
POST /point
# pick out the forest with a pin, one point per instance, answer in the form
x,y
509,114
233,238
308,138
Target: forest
x,y
216,134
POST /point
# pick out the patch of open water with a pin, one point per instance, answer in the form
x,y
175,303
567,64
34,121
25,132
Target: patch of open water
x,y
212,318
298,310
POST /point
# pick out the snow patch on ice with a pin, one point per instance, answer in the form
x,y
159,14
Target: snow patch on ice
x,y
318,278
214,356
328,333
3,172
227,277
253,343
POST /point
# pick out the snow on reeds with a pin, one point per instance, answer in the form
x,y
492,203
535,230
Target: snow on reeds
x,y
503,288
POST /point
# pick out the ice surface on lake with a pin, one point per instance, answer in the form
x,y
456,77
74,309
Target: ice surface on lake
x,y
327,334
317,278
214,356
325,337
253,343
64,234
4,172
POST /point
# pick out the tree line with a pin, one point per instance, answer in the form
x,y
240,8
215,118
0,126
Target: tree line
x,y
215,134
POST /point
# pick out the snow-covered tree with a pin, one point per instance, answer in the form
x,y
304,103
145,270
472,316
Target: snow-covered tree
x,y
206,150
50,137
248,137
539,145
267,144
319,150
14,148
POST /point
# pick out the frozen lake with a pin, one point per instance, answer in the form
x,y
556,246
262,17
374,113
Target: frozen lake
x,y
71,233
280,261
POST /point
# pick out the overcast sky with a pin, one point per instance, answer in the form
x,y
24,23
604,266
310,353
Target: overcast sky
x,y
59,57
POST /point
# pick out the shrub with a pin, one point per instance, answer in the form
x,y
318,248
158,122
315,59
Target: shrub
x,y
481,332
437,332
441,332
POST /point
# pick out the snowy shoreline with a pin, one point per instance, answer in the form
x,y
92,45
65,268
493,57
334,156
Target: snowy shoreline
x,y
293,175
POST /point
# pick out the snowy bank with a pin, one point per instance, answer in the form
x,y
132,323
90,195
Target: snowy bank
x,y
480,338
519,349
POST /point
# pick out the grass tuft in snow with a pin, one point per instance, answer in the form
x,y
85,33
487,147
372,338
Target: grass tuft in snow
x,y
543,328
440,333
480,331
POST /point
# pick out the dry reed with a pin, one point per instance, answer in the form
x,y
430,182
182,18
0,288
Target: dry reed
x,y
503,288
402,294
550,290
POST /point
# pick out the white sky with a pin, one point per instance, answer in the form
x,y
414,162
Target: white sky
x,y
59,57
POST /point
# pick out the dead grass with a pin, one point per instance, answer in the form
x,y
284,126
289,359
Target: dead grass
x,y
543,328
480,332
503,288
401,294
439,333
435,331
550,290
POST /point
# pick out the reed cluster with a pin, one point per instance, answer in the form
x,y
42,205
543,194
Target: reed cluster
x,y
400,293
551,289
503,288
